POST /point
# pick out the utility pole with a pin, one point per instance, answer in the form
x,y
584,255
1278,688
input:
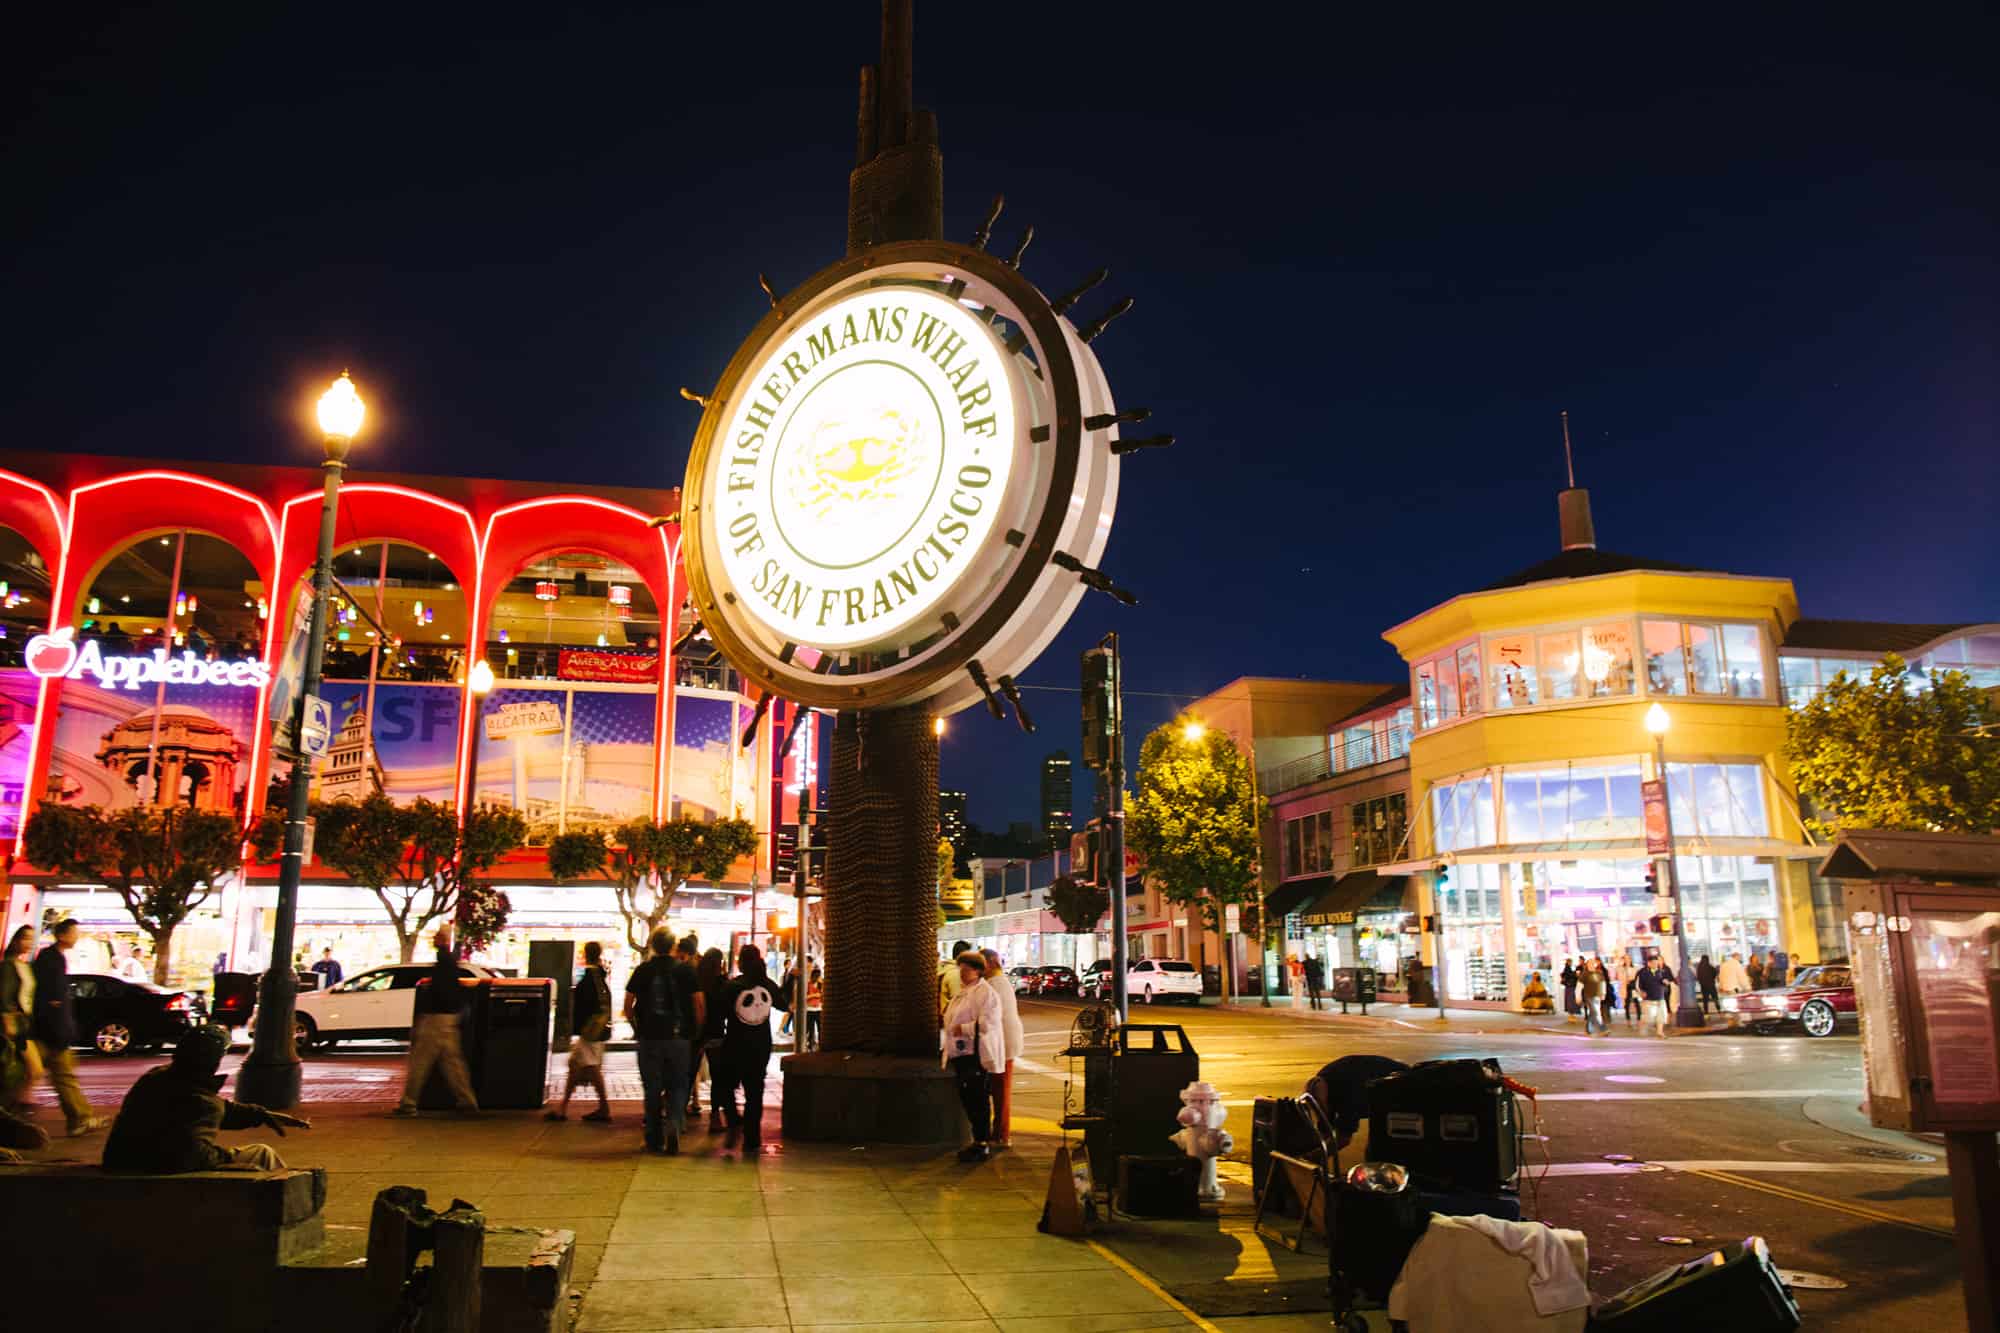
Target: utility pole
x,y
1104,750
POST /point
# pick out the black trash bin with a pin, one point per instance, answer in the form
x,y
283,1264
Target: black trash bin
x,y
504,1029
1150,1064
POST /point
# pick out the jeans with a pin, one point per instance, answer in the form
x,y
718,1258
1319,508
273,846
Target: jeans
x,y
434,1041
743,1070
59,1063
663,1078
1593,1013
974,1094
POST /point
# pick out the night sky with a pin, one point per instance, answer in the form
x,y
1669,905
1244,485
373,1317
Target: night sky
x,y
1752,250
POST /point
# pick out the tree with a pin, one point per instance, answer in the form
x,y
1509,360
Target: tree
x,y
416,859
648,862
163,862
1882,753
1194,819
1078,905
946,860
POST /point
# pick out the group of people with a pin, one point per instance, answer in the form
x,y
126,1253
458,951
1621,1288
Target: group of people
x,y
687,1012
980,1037
1304,977
39,1023
1591,990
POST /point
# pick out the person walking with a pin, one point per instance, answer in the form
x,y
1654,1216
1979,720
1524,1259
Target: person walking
x,y
790,986
1569,978
974,1044
1315,972
1705,977
1755,972
168,1121
17,1019
815,1000
590,1029
1590,984
328,970
711,974
1016,1045
55,1031
1655,985
666,1010
1779,969
1730,978
1627,979
434,1036
746,1047
1295,980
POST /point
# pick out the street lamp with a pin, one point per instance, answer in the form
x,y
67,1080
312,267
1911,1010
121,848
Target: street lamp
x,y
937,726
270,1073
478,679
1192,731
1687,1007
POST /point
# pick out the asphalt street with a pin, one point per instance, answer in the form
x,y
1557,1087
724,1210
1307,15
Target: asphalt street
x,y
1642,1144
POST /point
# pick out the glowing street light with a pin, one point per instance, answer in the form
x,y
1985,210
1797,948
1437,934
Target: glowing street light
x,y
480,678
1657,722
270,1073
1192,731
937,726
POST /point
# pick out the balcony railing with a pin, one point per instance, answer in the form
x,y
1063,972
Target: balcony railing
x,y
1339,757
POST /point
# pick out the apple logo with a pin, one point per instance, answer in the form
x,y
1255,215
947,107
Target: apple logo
x,y
52,654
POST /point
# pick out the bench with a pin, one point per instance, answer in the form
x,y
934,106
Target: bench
x,y
125,1247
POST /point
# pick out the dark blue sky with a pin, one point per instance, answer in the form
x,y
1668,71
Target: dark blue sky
x,y
1752,250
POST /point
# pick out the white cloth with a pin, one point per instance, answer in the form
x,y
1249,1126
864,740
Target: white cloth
x,y
1519,1277
129,968
1731,978
1010,1016
974,1017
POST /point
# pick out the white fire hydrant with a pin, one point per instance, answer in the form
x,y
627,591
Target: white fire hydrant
x,y
1203,1137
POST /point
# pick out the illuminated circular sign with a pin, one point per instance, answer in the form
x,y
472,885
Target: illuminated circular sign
x,y
894,483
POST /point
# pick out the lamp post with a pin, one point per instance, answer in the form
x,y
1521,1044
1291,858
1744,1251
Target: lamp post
x,y
270,1073
1687,1008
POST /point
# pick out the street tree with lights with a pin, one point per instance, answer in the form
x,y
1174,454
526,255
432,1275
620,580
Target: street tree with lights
x,y
1194,820
647,862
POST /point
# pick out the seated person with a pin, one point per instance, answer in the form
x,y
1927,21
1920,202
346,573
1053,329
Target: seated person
x,y
168,1122
1535,997
1341,1089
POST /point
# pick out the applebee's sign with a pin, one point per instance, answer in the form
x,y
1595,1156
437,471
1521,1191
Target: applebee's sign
x,y
58,656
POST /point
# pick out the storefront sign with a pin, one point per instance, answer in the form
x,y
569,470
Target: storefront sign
x,y
1658,841
596,664
540,717
57,656
887,468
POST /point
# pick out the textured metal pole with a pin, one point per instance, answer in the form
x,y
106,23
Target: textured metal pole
x,y
270,1073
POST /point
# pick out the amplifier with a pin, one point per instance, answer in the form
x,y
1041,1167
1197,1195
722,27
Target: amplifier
x,y
1736,1290
1451,1122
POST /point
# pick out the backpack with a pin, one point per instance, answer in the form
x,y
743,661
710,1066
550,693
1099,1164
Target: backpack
x,y
660,1001
753,1006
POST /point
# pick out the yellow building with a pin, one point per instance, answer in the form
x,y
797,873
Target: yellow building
x,y
1527,833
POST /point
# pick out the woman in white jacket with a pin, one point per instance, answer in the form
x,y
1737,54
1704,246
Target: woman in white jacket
x,y
1010,1018
975,1048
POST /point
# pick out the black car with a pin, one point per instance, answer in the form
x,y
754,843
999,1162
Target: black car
x,y
114,1016
1053,980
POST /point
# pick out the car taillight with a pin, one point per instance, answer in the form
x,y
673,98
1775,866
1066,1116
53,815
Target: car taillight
x,y
177,1003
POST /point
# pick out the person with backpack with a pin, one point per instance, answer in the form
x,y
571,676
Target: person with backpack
x,y
666,1010
712,975
746,1047
590,1023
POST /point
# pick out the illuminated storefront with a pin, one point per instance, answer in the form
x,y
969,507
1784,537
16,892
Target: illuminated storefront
x,y
145,617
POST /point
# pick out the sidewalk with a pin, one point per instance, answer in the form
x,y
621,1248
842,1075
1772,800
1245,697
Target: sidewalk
x,y
803,1236
1424,1018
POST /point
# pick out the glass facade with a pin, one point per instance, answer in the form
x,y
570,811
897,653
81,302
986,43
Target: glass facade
x,y
1977,655
1372,741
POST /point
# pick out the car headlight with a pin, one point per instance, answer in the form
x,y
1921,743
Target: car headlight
x,y
1729,1004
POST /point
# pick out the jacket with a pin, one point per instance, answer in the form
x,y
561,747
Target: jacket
x,y
975,1017
590,1005
1706,973
1654,985
1730,978
17,996
168,1122
55,1015
1591,982
1010,1016
748,1045
442,996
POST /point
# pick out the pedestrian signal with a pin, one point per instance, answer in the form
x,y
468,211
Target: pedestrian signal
x,y
1663,923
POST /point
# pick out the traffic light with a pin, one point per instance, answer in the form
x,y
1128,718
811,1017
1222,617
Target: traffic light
x,y
1093,855
786,863
1652,879
1100,708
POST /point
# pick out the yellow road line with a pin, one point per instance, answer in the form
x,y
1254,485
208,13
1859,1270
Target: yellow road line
x,y
1139,1276
1837,1205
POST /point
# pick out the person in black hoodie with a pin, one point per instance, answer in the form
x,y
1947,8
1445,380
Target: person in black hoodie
x,y
168,1122
746,1046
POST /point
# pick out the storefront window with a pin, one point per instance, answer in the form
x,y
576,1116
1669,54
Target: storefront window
x,y
1723,660
1447,686
1462,814
1475,942
1376,829
1513,668
1717,800
1294,837
1557,658
1575,803
1666,660
1468,679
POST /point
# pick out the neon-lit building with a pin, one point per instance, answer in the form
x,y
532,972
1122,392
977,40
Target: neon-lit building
x,y
146,613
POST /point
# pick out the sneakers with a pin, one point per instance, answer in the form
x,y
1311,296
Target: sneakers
x,y
973,1152
601,1113
90,1126
405,1113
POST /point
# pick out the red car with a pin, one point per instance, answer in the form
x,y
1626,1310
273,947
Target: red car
x,y
1819,999
1053,980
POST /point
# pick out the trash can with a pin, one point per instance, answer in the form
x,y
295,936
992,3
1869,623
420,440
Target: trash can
x,y
1150,1064
504,1028
1353,985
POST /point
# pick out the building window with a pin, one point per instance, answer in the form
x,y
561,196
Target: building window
x,y
1725,661
1446,686
1717,800
1577,803
1462,814
1292,839
1376,829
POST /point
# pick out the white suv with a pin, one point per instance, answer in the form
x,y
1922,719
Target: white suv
x,y
379,1003
1150,979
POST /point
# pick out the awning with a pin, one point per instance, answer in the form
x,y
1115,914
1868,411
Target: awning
x,y
1363,890
1289,896
1633,849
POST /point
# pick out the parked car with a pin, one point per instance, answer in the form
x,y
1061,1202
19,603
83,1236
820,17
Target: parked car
x,y
1023,979
1819,999
379,1003
1096,982
114,1016
1053,980
1150,979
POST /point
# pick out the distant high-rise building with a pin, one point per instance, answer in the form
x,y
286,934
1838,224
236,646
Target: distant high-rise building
x,y
951,823
1056,818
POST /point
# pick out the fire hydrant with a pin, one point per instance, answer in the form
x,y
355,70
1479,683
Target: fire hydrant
x,y
1203,1137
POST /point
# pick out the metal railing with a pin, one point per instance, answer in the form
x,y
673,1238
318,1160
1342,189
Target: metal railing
x,y
1338,757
